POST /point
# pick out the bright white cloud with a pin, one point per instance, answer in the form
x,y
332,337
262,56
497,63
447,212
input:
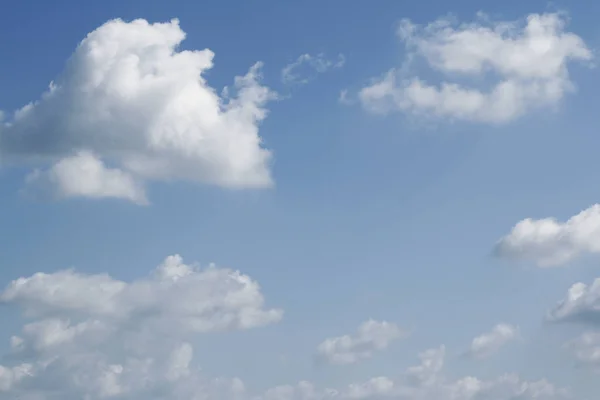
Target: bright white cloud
x,y
84,175
306,66
129,98
549,242
371,336
175,298
525,62
489,343
581,304
94,337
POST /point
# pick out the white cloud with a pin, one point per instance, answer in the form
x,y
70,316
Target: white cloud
x,y
586,349
549,242
526,62
581,304
309,66
489,343
93,336
84,175
177,298
426,373
371,336
133,100
426,382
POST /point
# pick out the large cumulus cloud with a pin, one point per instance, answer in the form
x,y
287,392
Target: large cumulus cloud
x,y
131,107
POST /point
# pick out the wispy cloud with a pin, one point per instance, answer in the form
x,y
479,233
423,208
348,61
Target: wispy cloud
x,y
371,336
307,67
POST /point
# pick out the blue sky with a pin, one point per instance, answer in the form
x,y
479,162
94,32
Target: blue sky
x,y
386,216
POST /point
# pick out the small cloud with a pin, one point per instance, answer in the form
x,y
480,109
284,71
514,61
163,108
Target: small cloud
x,y
549,242
489,343
586,350
371,336
306,67
580,305
344,98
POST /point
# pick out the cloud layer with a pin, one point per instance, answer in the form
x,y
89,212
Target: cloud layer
x,y
526,64
95,337
426,381
130,107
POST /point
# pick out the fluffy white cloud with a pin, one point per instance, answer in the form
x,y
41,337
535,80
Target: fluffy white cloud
x,y
176,298
130,99
93,336
581,304
489,343
370,337
527,63
305,67
549,242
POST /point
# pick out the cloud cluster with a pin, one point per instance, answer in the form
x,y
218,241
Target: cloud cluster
x,y
84,373
92,336
175,298
581,306
426,381
549,242
306,66
370,337
129,108
489,343
526,63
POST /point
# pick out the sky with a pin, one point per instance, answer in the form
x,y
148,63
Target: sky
x,y
237,200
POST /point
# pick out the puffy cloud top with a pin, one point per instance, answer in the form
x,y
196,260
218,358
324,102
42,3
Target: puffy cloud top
x,y
526,61
94,337
130,107
548,242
